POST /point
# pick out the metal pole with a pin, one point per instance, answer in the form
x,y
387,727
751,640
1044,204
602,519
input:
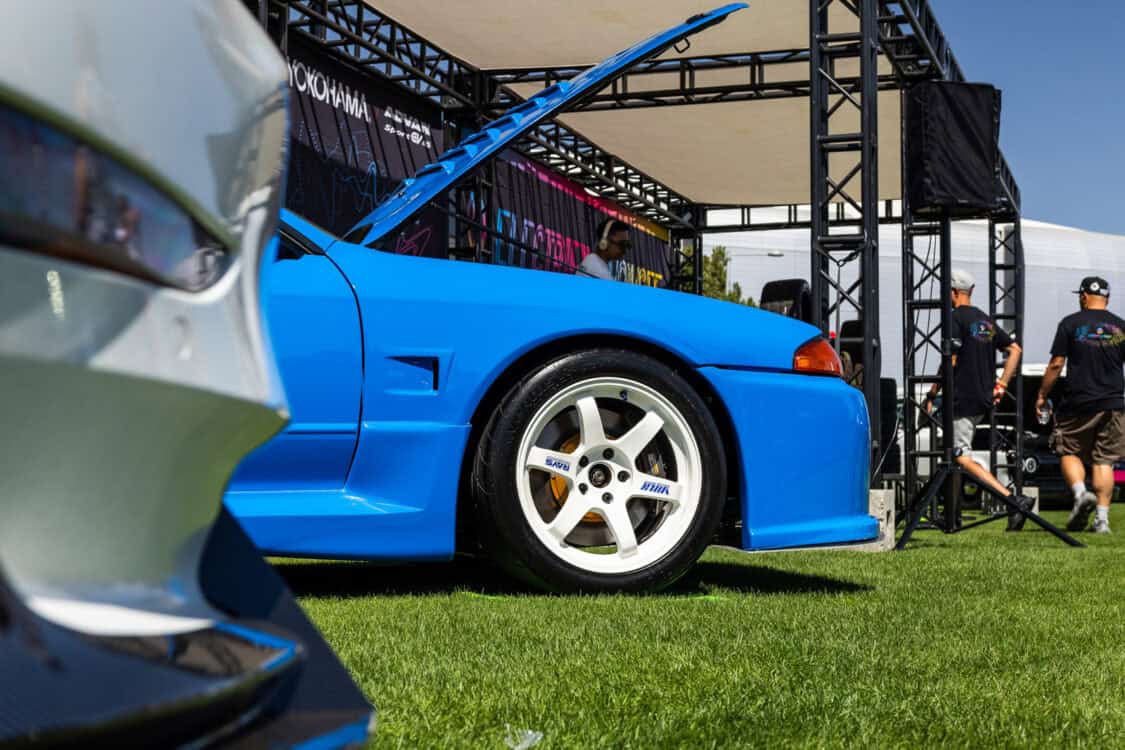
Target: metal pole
x,y
869,264
1018,292
995,247
854,184
952,490
909,363
695,283
818,160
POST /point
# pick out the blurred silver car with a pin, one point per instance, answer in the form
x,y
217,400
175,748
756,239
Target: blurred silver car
x,y
142,152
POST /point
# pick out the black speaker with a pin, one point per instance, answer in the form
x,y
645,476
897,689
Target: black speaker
x,y
952,148
888,435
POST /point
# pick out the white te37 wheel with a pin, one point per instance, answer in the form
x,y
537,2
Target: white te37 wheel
x,y
601,470
631,484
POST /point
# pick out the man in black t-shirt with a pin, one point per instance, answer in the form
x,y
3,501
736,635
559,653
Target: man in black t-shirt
x,y
976,339
1090,421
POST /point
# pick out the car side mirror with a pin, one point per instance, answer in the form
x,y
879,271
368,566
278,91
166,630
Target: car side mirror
x,y
789,297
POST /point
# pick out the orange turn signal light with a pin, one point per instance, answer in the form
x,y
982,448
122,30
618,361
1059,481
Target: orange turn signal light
x,y
817,357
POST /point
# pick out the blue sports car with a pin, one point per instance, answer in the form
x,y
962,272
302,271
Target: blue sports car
x,y
588,435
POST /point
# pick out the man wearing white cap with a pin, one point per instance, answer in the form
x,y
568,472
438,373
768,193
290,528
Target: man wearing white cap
x,y
976,339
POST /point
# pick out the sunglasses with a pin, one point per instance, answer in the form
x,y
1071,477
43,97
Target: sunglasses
x,y
625,245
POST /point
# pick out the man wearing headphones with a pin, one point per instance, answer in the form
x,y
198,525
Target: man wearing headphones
x,y
613,243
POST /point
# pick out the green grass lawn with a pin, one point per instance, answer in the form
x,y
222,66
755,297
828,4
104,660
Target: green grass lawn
x,y
983,639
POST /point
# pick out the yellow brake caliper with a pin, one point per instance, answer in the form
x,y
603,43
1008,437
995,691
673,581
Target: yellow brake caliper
x,y
560,490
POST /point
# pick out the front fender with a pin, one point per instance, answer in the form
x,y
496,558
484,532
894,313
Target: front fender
x,y
802,443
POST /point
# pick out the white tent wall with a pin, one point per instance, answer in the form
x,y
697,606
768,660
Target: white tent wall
x,y
1056,259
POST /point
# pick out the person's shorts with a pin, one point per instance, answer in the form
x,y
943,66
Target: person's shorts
x,y
1097,438
963,430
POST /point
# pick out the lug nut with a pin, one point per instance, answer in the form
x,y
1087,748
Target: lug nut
x,y
582,488
607,498
623,476
607,453
583,461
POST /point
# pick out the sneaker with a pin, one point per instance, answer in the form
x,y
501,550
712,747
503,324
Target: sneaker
x,y
1080,513
1016,520
1101,527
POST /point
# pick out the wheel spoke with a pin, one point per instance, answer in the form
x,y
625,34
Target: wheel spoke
x,y
590,421
635,440
569,516
621,526
552,462
650,487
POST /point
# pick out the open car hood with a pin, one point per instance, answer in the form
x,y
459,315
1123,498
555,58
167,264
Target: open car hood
x,y
434,178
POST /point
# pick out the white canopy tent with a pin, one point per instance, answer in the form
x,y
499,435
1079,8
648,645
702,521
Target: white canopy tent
x,y
582,32
731,153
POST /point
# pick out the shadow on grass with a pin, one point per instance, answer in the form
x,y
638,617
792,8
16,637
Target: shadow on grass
x,y
704,577
345,579
352,579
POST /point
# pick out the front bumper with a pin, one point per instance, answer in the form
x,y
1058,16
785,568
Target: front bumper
x,y
261,677
802,444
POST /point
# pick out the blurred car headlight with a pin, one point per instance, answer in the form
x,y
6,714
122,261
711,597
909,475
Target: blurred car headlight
x,y
62,197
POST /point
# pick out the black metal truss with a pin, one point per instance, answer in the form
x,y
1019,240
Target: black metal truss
x,y
373,43
909,36
917,49
1006,306
927,350
1012,206
845,171
914,43
750,76
926,293
570,154
750,218
686,262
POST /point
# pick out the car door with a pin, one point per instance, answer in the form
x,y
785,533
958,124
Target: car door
x,y
314,327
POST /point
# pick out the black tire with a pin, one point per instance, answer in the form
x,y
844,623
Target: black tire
x,y
503,530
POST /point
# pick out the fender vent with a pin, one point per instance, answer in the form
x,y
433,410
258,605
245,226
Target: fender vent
x,y
412,374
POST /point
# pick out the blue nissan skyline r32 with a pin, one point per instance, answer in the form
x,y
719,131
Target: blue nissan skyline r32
x,y
589,436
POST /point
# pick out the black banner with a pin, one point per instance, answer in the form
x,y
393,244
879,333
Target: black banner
x,y
353,140
558,219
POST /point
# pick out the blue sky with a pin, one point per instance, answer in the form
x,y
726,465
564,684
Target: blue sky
x,y
1061,66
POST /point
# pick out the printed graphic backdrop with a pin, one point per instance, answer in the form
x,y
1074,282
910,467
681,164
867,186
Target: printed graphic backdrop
x,y
558,218
354,139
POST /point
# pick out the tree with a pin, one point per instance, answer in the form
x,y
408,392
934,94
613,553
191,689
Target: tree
x,y
715,267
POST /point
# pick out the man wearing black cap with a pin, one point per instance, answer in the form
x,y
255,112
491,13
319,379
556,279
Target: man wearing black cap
x,y
1090,420
976,389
